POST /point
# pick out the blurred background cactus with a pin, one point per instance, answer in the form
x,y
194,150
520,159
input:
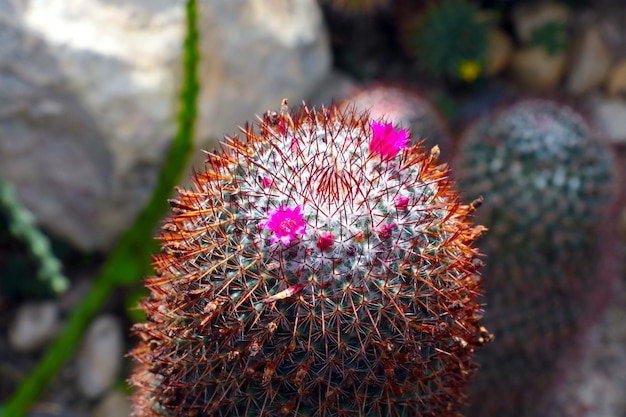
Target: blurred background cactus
x,y
547,183
452,40
406,108
321,266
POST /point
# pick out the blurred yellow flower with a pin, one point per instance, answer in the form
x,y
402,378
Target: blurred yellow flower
x,y
469,71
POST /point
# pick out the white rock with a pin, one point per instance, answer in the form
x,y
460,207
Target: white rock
x,y
34,325
590,62
527,17
86,108
90,88
609,115
114,404
100,357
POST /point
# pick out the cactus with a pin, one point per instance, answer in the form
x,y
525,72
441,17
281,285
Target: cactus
x,y
321,267
452,41
405,108
546,186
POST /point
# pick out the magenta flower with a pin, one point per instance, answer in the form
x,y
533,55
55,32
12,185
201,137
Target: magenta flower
x,y
387,141
286,223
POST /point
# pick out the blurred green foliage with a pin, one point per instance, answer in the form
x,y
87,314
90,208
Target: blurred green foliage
x,y
452,40
552,37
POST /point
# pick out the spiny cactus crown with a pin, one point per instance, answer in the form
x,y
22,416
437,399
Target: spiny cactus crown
x,y
322,267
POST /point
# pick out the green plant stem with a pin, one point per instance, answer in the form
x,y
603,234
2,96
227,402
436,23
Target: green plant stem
x,y
130,260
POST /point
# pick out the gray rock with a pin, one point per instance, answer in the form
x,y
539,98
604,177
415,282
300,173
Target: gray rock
x,y
256,54
89,95
50,146
590,62
100,357
34,325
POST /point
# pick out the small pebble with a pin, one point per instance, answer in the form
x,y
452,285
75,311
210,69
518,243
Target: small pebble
x,y
590,63
34,325
114,404
100,357
616,85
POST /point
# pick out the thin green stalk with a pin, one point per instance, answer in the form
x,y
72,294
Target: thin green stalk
x,y
130,260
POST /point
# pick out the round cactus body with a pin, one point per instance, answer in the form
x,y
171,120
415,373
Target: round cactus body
x,y
321,267
408,109
546,186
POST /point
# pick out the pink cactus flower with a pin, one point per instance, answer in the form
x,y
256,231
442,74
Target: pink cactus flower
x,y
325,241
267,182
402,203
384,231
387,141
286,223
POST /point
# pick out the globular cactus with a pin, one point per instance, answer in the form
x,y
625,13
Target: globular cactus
x,y
451,41
547,186
406,108
321,267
